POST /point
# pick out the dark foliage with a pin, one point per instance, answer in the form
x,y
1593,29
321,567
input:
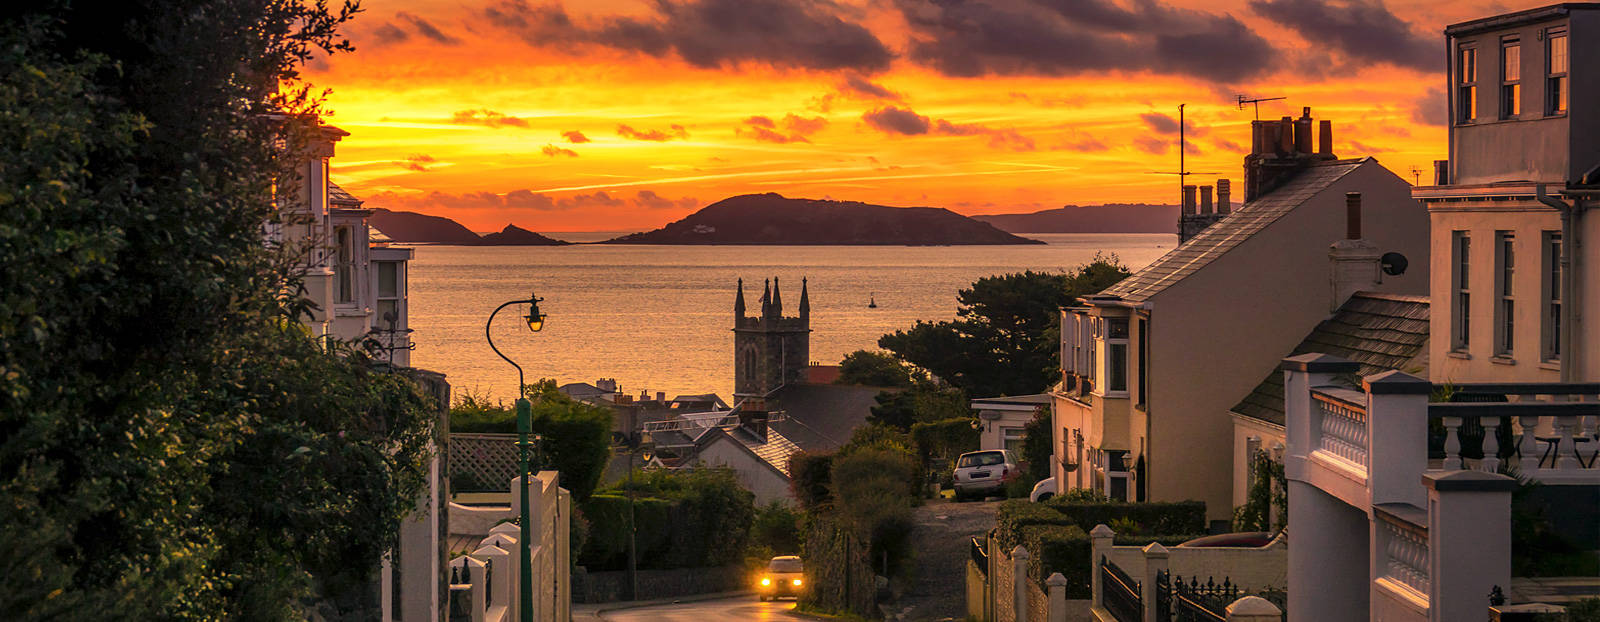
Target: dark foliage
x,y
1037,446
924,401
575,438
810,480
685,519
875,369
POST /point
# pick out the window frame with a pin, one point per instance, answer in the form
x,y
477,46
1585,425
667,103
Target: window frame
x,y
1510,104
1113,352
345,290
1505,264
1558,84
1460,290
1466,84
1551,297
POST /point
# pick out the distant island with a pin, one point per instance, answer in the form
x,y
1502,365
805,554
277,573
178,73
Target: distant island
x,y
772,219
414,228
1108,218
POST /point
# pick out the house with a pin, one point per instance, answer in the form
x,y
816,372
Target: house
x,y
1003,421
1151,366
356,283
758,456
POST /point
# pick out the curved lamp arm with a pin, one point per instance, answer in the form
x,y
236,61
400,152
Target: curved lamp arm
x,y
521,382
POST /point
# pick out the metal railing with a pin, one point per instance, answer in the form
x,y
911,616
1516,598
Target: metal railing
x,y
1121,593
980,556
1202,602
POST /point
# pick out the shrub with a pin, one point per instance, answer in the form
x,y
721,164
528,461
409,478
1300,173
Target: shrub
x,y
1157,518
1020,486
873,491
1038,445
685,519
810,479
777,529
1014,515
1060,548
939,443
576,436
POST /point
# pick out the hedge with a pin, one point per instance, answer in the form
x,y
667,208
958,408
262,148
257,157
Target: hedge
x,y
1056,534
1152,518
686,519
1016,514
1060,548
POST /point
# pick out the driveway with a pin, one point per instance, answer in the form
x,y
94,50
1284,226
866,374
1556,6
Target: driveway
x,y
943,532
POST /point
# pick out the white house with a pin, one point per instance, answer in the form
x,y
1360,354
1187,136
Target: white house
x,y
1003,421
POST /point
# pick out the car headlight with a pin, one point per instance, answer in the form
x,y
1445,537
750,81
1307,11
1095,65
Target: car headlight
x,y
797,583
766,581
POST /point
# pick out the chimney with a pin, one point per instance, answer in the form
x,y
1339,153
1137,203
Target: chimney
x,y
1302,132
754,422
1325,139
1352,215
1441,172
1205,199
1188,200
1354,261
1222,197
661,396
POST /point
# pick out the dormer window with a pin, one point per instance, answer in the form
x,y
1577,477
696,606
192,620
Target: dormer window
x,y
1556,85
1510,78
1467,86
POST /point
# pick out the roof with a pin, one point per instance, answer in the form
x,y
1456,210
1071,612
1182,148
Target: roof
x,y
1019,401
338,196
1231,231
775,452
821,417
1378,331
1518,18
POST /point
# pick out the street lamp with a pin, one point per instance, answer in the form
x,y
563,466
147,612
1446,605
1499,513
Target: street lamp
x,y
535,321
637,442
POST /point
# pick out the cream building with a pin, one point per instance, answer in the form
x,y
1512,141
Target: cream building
x,y
1152,365
1508,209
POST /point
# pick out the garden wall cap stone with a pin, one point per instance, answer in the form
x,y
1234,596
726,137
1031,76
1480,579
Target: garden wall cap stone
x,y
1102,531
1253,606
1154,549
490,549
1318,363
1056,580
1467,481
1019,552
1396,382
510,529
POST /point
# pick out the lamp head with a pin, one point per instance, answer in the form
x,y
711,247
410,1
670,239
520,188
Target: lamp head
x,y
535,318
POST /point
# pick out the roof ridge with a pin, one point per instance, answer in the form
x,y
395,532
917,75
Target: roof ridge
x,y
1392,297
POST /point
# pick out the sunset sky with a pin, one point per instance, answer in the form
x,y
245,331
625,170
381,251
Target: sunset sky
x,y
625,115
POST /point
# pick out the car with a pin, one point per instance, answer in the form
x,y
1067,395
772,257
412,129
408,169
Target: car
x,y
785,576
981,473
1043,490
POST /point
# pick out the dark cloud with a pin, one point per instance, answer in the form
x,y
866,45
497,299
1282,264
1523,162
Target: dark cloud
x,y
486,118
1151,145
389,33
1432,109
1359,147
1165,124
524,199
575,137
1227,145
794,128
650,200
418,162
427,30
859,86
710,33
677,131
1066,37
895,120
554,151
904,121
1360,32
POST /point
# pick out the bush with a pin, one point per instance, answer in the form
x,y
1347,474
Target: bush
x,y
873,491
810,480
939,443
1060,548
1038,445
876,369
1156,518
1015,515
777,529
686,519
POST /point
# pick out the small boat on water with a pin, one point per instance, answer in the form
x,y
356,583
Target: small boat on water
x,y
872,301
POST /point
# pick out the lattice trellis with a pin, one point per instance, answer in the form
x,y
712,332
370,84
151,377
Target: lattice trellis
x,y
483,462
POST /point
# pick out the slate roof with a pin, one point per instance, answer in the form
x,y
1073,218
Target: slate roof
x,y
821,417
1379,331
338,197
1232,230
774,452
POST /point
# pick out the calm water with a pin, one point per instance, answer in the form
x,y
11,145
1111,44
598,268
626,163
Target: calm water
x,y
659,318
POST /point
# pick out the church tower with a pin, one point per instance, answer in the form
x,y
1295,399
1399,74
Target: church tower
x,y
770,350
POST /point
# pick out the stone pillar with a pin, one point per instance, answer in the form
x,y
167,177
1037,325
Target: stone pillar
x,y
1397,436
1100,539
1301,423
506,536
1254,609
1469,541
1019,582
1058,597
1155,562
496,589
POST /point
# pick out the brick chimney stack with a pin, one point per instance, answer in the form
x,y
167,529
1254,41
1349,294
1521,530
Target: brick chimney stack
x,y
1354,262
1280,150
1188,200
1325,139
1222,197
1352,215
1205,199
1302,132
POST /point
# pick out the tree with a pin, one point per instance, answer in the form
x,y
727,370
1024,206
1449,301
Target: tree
x,y
922,402
1005,335
1037,445
875,369
173,443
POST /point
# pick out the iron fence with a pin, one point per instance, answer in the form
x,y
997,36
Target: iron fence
x,y
980,556
1194,601
1120,593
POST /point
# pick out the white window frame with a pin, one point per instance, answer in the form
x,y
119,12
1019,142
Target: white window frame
x,y
1505,305
1106,344
346,290
1551,297
1460,290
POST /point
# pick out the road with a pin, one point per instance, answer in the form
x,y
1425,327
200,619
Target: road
x,y
737,609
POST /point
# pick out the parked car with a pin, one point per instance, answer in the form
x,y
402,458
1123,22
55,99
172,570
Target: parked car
x,y
1043,490
785,576
981,473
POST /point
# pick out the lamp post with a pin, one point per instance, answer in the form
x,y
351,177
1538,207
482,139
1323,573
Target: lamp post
x,y
535,321
638,442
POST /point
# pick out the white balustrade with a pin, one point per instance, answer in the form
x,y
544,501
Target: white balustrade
x,y
1406,553
1344,429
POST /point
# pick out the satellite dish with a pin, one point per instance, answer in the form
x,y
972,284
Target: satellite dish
x,y
1394,264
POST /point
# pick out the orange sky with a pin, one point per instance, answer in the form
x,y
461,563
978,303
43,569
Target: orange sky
x,y
622,115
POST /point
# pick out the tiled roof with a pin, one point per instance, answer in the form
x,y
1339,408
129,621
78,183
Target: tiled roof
x,y
775,451
337,196
821,417
1379,331
1229,232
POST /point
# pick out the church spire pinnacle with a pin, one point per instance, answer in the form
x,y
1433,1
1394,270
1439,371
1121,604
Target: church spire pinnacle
x,y
805,301
766,298
777,299
738,302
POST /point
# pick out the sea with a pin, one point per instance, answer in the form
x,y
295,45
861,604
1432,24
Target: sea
x,y
660,318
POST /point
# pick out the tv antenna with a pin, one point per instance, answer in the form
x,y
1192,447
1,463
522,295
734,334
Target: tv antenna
x,y
1416,175
1243,99
1183,171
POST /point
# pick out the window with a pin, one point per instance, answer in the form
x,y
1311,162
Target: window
x,y
345,264
1144,355
1505,306
388,294
1013,439
1510,78
1467,86
1556,73
1461,243
1116,355
1552,296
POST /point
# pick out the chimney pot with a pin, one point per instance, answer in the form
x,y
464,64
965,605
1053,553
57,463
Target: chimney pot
x,y
1205,199
1286,136
1223,195
1352,215
1325,139
1188,200
1302,133
661,396
1441,172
